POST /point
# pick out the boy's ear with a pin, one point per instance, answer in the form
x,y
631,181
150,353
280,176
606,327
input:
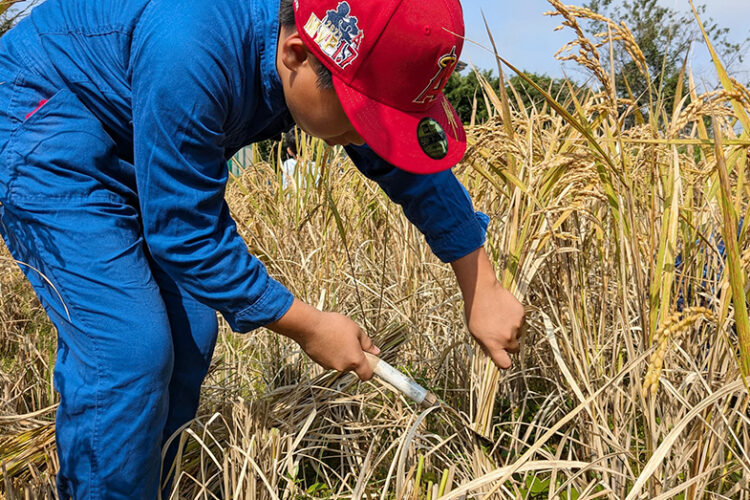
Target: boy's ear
x,y
293,51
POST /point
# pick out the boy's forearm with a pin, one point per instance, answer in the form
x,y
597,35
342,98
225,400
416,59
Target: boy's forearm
x,y
300,319
495,318
473,272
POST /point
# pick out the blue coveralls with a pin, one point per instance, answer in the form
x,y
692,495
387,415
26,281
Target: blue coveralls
x,y
113,191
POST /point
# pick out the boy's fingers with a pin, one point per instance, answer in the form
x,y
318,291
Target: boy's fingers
x,y
522,331
363,369
366,343
513,347
501,359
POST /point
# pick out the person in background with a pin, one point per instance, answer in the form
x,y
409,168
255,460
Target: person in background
x,y
289,167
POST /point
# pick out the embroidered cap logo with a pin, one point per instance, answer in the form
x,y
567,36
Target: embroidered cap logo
x,y
337,34
446,63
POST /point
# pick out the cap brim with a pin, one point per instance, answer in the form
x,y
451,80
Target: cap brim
x,y
394,134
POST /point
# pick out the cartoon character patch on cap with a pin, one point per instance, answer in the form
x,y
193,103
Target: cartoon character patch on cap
x,y
446,63
337,34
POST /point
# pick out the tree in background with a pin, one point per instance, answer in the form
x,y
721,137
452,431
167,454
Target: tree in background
x,y
665,36
462,90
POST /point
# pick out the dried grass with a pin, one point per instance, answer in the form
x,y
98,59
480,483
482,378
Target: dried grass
x,y
588,217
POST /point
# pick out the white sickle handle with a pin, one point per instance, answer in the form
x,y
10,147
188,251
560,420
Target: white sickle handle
x,y
407,386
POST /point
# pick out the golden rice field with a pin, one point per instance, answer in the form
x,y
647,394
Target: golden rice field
x,y
632,378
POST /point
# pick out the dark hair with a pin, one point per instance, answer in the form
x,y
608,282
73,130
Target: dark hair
x,y
286,20
290,140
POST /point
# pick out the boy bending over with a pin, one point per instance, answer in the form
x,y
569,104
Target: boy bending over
x,y
118,119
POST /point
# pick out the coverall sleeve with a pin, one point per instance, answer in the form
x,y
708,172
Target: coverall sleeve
x,y
181,100
437,204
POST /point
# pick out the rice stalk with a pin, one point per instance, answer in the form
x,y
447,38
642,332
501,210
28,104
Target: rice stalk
x,y
603,220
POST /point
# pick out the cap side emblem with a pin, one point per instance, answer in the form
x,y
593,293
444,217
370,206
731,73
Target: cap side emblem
x,y
446,63
337,34
432,139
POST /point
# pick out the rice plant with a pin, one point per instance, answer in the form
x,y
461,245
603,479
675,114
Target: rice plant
x,y
618,222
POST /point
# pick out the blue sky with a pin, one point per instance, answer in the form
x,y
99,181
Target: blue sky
x,y
525,37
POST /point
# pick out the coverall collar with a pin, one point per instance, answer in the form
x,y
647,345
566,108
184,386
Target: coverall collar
x,y
266,34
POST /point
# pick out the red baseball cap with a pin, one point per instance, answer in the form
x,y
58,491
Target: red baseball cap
x,y
390,61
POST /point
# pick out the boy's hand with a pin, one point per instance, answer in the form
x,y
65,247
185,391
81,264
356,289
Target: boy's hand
x,y
494,316
330,339
495,319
